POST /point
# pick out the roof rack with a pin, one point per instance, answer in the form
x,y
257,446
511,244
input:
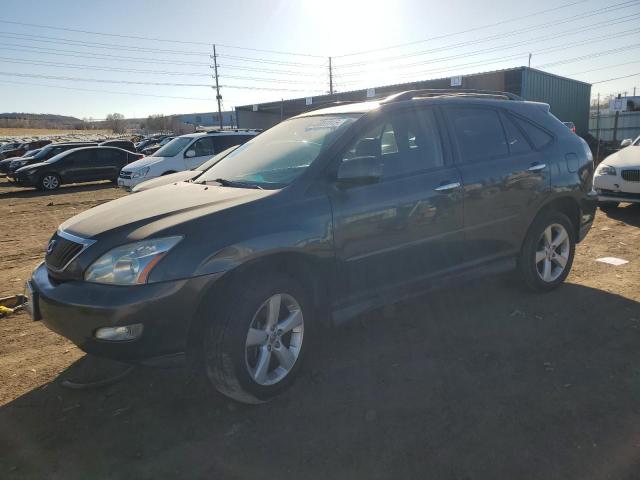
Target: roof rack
x,y
450,92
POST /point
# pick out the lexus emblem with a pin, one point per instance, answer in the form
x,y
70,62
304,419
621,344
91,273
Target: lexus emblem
x,y
51,246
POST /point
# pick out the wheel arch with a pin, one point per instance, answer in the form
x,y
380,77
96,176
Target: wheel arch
x,y
565,204
304,268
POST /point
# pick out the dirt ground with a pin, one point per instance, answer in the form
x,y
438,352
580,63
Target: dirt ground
x,y
486,381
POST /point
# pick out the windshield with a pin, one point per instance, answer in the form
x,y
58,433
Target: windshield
x,y
637,142
279,155
173,148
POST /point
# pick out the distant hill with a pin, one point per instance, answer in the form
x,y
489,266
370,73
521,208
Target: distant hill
x,y
40,120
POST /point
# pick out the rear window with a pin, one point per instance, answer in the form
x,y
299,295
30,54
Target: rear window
x,y
539,138
478,132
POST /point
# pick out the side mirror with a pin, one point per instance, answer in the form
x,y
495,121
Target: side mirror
x,y
626,142
190,154
359,171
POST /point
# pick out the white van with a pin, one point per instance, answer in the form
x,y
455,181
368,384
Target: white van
x,y
182,153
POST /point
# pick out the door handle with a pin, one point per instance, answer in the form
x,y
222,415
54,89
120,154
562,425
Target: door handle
x,y
536,167
447,187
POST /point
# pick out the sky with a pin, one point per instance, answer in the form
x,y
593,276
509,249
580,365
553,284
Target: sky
x,y
88,58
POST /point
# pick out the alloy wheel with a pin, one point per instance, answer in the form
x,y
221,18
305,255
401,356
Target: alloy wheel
x,y
274,339
552,253
50,182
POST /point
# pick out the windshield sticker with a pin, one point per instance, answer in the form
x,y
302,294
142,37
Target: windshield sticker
x,y
332,123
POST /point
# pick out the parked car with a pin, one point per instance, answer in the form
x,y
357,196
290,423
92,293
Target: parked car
x,y
45,153
617,178
153,148
182,153
86,164
147,142
23,148
325,215
120,143
184,176
9,146
571,126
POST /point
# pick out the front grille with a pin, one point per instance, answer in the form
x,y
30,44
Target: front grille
x,y
631,175
61,251
124,174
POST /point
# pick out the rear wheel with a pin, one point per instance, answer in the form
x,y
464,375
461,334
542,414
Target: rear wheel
x,y
547,252
50,181
254,349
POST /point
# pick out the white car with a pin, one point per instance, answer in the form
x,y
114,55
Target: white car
x,y
182,153
617,178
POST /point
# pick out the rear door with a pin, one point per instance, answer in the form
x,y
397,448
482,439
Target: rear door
x,y
407,226
109,162
75,167
502,174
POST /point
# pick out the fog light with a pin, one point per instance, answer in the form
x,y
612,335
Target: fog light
x,y
119,334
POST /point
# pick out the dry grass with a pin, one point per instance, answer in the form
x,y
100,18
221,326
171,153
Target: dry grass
x,y
28,132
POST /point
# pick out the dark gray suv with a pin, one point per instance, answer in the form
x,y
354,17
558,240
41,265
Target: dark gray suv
x,y
323,216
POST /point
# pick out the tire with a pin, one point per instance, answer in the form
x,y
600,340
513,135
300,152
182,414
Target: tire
x,y
233,367
49,182
541,267
608,206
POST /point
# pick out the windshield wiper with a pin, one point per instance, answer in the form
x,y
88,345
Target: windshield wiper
x,y
232,183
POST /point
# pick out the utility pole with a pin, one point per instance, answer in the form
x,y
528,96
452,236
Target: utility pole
x,y
530,60
330,77
598,131
218,96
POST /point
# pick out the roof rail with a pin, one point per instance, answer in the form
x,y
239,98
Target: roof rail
x,y
445,92
337,103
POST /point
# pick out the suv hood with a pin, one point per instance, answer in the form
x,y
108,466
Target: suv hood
x,y
627,157
166,180
145,213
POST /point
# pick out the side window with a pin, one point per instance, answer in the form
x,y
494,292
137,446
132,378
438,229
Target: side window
x,y
516,140
222,142
77,158
478,132
203,147
406,142
537,135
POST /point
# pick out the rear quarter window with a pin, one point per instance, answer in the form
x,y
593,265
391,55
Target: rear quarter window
x,y
539,137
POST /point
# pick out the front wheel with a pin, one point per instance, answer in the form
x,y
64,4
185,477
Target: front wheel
x,y
254,349
547,252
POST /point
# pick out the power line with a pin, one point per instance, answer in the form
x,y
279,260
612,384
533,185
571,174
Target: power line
x,y
246,87
103,80
265,70
460,32
65,41
154,39
105,91
95,67
72,53
274,62
589,56
604,68
616,78
508,34
498,59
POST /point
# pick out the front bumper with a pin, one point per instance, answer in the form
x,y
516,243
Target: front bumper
x,y
128,183
76,309
614,188
25,180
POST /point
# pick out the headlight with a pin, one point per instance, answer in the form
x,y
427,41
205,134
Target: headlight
x,y
31,172
606,170
130,264
140,173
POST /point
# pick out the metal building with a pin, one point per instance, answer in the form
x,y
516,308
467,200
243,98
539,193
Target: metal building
x,y
568,98
208,119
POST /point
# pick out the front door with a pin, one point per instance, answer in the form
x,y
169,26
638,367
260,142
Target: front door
x,y
503,176
203,149
409,224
